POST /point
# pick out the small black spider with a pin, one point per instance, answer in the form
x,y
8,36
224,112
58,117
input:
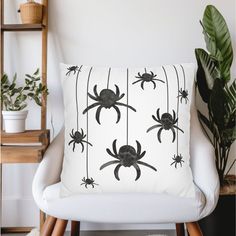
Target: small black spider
x,y
183,94
73,69
106,99
78,138
166,122
178,159
147,77
88,181
127,157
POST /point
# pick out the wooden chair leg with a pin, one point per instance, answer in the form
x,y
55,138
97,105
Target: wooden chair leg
x,y
42,219
48,226
194,229
59,228
180,229
75,228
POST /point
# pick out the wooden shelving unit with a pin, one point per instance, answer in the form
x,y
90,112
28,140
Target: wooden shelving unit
x,y
22,152
27,147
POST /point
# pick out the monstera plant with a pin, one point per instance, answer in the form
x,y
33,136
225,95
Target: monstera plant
x,y
217,88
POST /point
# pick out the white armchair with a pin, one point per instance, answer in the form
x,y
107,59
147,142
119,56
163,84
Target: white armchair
x,y
122,208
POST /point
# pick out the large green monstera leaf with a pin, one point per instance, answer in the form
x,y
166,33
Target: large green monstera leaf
x,y
218,40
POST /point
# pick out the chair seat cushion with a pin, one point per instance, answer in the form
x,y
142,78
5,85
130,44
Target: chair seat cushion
x,y
127,130
123,208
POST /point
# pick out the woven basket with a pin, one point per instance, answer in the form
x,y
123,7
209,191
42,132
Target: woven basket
x,y
31,12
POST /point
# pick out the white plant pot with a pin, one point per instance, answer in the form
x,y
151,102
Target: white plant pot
x,y
14,121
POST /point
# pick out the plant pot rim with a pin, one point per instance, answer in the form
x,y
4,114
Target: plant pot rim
x,y
16,112
31,2
229,188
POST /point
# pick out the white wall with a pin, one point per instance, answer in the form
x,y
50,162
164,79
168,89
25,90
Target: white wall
x,y
104,32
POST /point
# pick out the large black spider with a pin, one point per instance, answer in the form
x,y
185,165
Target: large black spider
x,y
73,69
107,99
78,138
166,122
127,157
88,181
147,77
178,159
183,94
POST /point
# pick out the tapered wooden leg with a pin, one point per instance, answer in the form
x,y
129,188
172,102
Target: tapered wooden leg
x,y
180,229
75,228
194,229
48,226
42,218
59,228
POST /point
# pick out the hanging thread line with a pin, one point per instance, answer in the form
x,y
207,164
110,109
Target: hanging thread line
x,y
127,109
177,131
87,127
167,89
108,79
76,98
184,76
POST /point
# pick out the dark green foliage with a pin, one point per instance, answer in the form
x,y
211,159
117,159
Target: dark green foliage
x,y
14,98
213,79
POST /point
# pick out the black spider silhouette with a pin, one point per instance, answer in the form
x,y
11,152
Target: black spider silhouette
x,y
177,160
107,99
147,77
78,138
183,94
166,122
127,157
88,181
73,69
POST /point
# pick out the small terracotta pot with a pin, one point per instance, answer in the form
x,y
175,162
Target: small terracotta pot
x,y
31,12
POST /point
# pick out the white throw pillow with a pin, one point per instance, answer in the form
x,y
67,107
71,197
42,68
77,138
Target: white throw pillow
x,y
127,130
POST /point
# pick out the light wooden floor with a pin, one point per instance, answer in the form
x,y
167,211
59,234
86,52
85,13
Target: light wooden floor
x,y
118,233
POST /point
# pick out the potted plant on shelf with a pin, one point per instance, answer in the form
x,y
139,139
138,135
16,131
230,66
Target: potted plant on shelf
x,y
14,100
218,91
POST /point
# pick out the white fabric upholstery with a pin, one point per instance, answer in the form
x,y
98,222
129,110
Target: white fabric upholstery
x,y
130,208
123,208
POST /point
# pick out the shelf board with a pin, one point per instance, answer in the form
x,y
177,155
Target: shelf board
x,y
22,27
29,136
22,154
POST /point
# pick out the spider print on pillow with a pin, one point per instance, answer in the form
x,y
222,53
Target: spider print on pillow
x,y
178,158
127,156
127,129
166,121
183,93
107,98
77,136
146,78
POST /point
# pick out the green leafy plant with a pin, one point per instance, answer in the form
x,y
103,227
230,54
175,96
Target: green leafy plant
x,y
14,98
216,88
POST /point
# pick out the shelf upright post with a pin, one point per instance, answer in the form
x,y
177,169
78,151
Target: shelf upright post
x,y
44,80
44,63
1,73
2,38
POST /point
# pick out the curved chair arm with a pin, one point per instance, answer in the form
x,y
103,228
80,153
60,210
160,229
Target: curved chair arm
x,y
49,170
203,165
